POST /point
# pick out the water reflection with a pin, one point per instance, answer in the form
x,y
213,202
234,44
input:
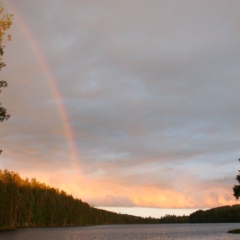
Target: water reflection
x,y
125,232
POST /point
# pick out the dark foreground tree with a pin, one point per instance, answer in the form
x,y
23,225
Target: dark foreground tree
x,y
5,24
236,188
28,203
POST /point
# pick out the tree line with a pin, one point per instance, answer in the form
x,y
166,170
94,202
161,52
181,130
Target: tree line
x,y
225,214
28,203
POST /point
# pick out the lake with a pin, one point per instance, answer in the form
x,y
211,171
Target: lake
x,y
125,232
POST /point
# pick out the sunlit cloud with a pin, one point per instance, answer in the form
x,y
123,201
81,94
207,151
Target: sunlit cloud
x,y
150,98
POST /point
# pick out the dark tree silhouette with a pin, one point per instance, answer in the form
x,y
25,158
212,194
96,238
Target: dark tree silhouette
x,y
236,188
29,203
3,111
5,24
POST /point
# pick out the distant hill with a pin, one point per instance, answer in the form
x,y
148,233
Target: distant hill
x,y
225,214
28,203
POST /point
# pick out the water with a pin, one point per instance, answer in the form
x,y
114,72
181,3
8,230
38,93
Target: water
x,y
125,232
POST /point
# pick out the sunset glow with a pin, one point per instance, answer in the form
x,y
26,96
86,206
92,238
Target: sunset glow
x,y
127,105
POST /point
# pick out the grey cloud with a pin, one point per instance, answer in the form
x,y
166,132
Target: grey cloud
x,y
144,85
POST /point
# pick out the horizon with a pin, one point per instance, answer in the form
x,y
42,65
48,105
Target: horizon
x,y
150,212
128,105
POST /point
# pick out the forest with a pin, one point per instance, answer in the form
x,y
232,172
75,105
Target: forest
x,y
225,214
28,203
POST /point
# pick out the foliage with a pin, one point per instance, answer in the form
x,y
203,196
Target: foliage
x,y
5,24
235,231
236,188
215,215
174,219
28,203
230,214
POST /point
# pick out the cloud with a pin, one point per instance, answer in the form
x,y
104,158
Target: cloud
x,y
151,92
185,191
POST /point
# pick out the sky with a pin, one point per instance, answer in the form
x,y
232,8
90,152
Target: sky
x,y
129,105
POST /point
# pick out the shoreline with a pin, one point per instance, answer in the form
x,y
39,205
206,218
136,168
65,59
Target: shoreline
x,y
234,231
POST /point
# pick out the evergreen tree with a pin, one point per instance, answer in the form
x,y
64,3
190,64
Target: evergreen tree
x,y
236,188
216,215
25,203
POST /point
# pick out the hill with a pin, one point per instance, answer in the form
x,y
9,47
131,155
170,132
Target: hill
x,y
225,214
28,203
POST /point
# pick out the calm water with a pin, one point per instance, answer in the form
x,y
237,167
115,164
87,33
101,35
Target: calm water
x,y
125,232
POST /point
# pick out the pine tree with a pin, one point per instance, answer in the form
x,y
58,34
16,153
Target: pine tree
x,y
236,188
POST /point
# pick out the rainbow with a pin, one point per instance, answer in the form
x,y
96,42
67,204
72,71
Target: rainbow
x,y
50,79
